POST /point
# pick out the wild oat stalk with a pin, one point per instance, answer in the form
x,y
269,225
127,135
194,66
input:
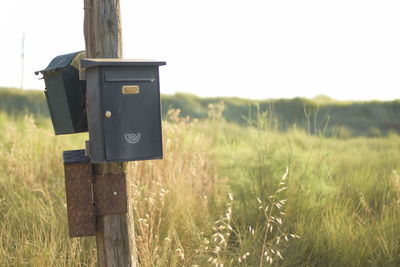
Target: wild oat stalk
x,y
273,234
268,238
217,244
147,208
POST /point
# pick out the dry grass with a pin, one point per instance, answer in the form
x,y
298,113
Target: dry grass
x,y
169,195
341,196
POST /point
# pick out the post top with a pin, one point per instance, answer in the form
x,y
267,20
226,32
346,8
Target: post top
x,y
97,62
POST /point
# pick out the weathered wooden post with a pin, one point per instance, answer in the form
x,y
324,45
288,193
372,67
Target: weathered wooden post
x,y
118,102
115,236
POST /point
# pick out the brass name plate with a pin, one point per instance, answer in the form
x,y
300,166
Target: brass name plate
x,y
130,89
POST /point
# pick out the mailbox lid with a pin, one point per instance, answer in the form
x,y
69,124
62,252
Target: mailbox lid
x,y
63,61
133,131
106,62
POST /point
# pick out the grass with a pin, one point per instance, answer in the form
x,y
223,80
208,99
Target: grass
x,y
343,195
214,197
321,114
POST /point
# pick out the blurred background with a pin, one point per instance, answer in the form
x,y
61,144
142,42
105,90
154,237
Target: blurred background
x,y
347,50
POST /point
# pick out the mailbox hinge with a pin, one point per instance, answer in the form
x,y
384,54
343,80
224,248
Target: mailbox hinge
x,y
87,148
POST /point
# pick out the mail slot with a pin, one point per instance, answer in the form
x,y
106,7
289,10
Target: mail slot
x,y
123,104
65,94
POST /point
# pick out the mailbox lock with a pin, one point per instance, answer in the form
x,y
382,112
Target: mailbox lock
x,y
108,114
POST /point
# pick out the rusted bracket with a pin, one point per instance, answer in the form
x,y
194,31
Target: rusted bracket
x,y
110,194
90,195
80,202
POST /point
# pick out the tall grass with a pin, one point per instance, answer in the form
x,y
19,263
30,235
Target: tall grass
x,y
343,195
32,201
220,197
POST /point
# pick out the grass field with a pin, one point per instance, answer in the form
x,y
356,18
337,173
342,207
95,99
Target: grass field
x,y
224,195
320,115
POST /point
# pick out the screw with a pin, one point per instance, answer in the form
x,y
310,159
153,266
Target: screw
x,y
108,114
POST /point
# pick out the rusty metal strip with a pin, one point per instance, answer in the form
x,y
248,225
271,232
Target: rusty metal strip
x,y
110,194
79,191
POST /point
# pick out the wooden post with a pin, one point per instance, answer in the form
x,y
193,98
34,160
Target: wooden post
x,y
115,236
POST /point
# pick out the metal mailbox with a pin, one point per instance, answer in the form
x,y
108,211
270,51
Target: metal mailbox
x,y
65,94
123,103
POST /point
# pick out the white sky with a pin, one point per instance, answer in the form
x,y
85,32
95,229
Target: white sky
x,y
347,49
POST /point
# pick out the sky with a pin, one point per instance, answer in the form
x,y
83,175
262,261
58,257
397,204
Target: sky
x,y
258,49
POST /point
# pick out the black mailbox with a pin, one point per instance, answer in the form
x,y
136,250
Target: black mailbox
x,y
123,103
65,94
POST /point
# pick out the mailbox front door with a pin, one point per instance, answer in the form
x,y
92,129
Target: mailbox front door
x,y
132,119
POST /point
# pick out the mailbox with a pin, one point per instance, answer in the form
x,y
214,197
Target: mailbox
x,y
123,103
65,94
